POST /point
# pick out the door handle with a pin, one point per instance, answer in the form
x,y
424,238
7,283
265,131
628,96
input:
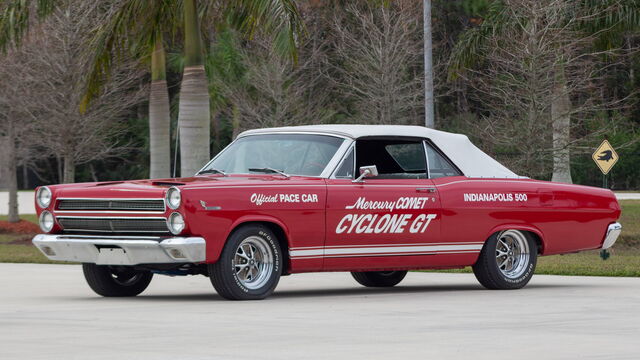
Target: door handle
x,y
426,190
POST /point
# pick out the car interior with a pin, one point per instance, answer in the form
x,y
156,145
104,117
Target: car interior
x,y
396,159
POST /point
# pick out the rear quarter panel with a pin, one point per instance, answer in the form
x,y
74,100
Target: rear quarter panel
x,y
567,218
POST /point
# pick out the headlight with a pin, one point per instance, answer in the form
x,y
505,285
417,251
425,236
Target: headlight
x,y
175,223
46,221
173,198
43,197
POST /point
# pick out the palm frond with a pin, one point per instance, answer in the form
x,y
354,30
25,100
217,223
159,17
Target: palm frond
x,y
279,18
609,19
130,27
468,49
15,16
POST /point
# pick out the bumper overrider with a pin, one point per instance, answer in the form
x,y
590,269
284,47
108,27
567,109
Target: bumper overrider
x,y
121,250
613,231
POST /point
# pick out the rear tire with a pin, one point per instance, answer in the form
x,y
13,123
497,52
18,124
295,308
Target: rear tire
x,y
507,260
116,281
379,278
250,265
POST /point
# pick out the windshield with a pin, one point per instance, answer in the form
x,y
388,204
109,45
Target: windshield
x,y
293,154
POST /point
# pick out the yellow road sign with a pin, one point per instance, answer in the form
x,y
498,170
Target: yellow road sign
x,y
605,157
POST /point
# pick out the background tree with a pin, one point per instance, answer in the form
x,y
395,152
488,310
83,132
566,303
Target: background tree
x,y
53,73
378,62
510,18
17,143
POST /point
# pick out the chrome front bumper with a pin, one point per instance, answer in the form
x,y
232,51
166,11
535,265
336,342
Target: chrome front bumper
x,y
121,250
612,235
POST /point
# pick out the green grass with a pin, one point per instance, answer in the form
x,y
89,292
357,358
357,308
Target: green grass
x,y
23,251
29,217
624,260
20,253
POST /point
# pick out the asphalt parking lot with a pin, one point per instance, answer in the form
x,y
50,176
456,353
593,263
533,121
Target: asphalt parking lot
x,y
47,312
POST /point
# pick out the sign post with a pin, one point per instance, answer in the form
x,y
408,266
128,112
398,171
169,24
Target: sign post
x,y
605,157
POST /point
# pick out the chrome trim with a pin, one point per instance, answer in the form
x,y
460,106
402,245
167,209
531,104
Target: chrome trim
x,y
108,199
352,146
168,222
426,158
40,220
121,250
299,132
613,231
38,197
204,206
55,207
113,218
335,161
167,204
109,212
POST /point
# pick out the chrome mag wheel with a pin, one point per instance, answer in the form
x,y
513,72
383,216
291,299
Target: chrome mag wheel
x,y
512,253
253,262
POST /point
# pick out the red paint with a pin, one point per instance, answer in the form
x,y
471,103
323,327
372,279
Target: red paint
x,y
567,218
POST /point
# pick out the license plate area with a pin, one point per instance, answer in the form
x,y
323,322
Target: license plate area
x,y
111,255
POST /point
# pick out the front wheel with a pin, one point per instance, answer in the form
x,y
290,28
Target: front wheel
x,y
116,281
250,265
507,260
379,278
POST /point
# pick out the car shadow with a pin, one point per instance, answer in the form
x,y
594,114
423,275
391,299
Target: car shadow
x,y
341,292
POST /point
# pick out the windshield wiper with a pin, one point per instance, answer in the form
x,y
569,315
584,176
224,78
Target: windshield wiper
x,y
270,170
212,171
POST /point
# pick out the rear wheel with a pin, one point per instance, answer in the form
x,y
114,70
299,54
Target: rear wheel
x,y
507,260
250,265
379,278
116,280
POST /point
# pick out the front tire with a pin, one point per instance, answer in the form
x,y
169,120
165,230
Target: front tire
x,y
116,281
379,278
507,260
250,265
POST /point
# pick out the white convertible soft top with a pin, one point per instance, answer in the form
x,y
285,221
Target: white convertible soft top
x,y
472,161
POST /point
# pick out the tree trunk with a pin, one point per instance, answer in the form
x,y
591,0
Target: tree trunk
x,y
69,170
429,113
561,123
12,172
235,121
193,113
159,116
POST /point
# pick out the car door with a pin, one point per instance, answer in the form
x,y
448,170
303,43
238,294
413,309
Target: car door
x,y
383,222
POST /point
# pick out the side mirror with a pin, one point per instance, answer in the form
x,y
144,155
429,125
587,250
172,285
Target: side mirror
x,y
366,172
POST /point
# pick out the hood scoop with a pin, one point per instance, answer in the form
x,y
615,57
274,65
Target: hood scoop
x,y
167,183
109,183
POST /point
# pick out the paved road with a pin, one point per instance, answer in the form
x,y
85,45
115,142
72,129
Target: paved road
x,y
47,312
25,202
26,205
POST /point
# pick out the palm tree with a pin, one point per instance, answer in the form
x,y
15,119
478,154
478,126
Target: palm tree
x,y
138,26
605,20
141,23
277,17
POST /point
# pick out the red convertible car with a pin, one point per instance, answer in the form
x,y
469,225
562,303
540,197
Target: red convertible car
x,y
373,200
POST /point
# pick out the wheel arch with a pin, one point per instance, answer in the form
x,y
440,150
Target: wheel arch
x,y
279,229
531,230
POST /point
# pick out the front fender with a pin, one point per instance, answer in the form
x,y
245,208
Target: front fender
x,y
215,249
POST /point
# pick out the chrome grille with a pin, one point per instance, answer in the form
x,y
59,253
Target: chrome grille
x,y
109,204
124,225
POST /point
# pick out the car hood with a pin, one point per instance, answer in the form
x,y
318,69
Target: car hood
x,y
157,187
